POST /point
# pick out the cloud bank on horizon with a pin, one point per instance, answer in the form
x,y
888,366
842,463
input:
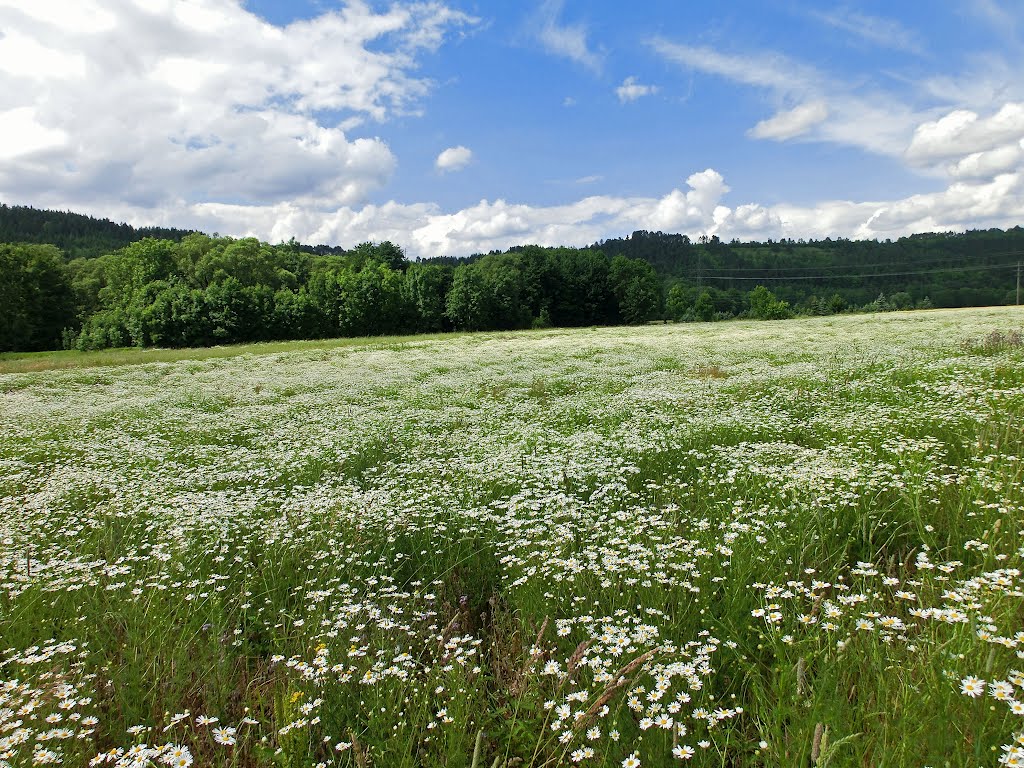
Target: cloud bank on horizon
x,y
446,131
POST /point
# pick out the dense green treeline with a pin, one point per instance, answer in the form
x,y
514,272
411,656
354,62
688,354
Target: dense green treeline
x,y
36,299
205,290
976,268
190,289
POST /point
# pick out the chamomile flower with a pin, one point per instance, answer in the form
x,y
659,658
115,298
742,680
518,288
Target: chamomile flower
x,y
224,735
683,752
972,686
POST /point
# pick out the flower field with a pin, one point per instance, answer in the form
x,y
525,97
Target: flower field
x,y
738,544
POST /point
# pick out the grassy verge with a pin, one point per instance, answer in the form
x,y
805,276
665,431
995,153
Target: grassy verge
x,y
31,362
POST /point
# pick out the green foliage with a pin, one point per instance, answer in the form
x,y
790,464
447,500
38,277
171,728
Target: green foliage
x,y
975,268
582,290
425,287
105,328
765,306
180,288
386,254
637,289
205,290
704,307
465,304
36,299
556,286
134,267
248,261
372,301
901,300
678,302
837,304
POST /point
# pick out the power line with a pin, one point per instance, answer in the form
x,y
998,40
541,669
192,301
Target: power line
x,y
707,276
856,266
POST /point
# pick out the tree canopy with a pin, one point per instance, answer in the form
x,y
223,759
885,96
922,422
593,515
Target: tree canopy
x,y
191,289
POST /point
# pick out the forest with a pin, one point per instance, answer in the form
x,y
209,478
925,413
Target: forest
x,y
72,281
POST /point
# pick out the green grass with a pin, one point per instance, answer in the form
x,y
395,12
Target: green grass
x,y
27,362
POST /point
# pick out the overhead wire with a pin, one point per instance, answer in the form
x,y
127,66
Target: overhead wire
x,y
848,275
860,266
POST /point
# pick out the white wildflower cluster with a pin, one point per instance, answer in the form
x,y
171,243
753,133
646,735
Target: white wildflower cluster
x,y
607,547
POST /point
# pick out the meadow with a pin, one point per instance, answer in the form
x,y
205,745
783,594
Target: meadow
x,y
738,544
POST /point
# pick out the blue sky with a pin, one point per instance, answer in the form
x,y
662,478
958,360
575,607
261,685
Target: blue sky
x,y
462,126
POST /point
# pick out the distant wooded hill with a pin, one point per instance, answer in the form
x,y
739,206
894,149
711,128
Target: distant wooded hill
x,y
976,268
76,281
80,236
75,234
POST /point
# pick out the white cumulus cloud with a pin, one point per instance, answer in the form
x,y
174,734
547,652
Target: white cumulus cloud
x,y
424,229
987,165
631,90
23,135
149,104
453,159
698,208
963,132
203,115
